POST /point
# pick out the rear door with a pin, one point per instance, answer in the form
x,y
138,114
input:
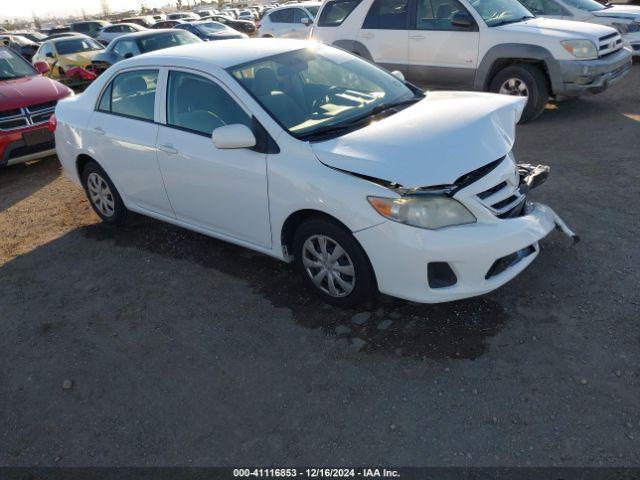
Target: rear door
x,y
281,23
441,53
385,33
122,132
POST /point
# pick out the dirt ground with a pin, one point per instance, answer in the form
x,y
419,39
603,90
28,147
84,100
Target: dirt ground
x,y
152,345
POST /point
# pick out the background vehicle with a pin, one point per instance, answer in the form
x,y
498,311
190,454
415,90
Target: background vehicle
x,y
32,35
27,100
185,16
146,21
207,30
159,17
137,43
243,26
206,13
488,45
64,35
167,24
291,21
90,28
61,54
20,44
624,18
198,146
248,15
117,30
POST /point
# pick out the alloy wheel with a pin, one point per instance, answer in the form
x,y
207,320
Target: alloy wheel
x,y
515,87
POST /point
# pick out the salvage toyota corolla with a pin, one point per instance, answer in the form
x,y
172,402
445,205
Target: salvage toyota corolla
x,y
312,155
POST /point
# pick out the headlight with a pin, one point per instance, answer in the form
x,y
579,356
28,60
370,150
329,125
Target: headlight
x,y
423,211
580,48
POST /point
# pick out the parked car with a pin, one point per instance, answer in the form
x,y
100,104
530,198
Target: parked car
x,y
62,54
247,15
310,154
159,17
185,16
146,21
207,30
232,12
206,12
137,43
27,100
489,45
117,30
63,35
243,26
167,24
290,21
91,27
32,35
624,18
20,44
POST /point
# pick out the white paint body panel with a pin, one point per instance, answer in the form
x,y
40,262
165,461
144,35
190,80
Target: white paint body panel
x,y
245,197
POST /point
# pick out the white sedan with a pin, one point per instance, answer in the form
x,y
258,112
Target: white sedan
x,y
116,30
309,154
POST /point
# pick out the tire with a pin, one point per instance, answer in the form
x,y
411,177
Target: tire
x,y
347,291
103,195
532,79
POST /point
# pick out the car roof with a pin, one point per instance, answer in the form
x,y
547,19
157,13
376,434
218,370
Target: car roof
x,y
148,33
295,5
69,37
227,53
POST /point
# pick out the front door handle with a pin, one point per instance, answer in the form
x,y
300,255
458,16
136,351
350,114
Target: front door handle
x,y
168,148
416,37
367,35
98,131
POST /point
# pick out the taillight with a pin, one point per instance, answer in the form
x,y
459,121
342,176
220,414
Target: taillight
x,y
53,123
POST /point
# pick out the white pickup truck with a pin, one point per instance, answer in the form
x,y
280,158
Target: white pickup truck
x,y
489,45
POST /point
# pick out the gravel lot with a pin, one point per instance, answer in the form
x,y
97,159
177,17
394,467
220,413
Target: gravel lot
x,y
151,345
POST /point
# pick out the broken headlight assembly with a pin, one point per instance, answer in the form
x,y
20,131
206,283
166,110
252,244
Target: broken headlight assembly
x,y
423,211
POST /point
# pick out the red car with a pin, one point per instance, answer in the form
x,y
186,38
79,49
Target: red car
x,y
27,101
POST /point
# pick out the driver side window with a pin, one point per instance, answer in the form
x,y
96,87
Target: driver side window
x,y
544,7
199,105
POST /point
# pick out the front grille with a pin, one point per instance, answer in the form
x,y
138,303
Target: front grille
x,y
609,44
26,117
503,199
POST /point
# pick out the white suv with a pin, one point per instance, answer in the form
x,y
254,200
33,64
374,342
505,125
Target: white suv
x,y
624,18
489,45
290,21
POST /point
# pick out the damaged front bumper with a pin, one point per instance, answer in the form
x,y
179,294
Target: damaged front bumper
x,y
432,266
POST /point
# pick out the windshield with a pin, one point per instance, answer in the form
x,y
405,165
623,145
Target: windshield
x,y
588,5
500,12
34,36
13,66
76,45
312,89
211,27
166,40
313,11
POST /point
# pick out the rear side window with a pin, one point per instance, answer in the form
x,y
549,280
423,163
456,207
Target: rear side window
x,y
438,15
199,105
131,94
80,27
336,11
282,16
387,15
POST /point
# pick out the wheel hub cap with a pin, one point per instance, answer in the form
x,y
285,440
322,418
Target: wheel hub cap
x,y
514,86
328,265
100,194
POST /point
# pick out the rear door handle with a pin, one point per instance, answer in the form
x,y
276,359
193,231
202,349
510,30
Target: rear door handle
x,y
98,131
416,37
168,148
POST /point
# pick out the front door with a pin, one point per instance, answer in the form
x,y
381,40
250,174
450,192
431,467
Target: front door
x,y
441,53
223,191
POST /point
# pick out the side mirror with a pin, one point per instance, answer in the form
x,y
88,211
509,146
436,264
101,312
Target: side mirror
x,y
49,55
462,20
233,136
398,74
306,21
42,67
128,55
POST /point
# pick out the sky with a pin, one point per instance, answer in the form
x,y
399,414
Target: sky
x,y
23,8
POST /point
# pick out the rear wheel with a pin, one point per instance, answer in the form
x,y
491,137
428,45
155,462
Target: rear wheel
x,y
333,264
523,80
103,196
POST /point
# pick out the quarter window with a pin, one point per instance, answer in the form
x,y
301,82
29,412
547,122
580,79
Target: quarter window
x,y
387,15
336,11
131,94
437,14
200,105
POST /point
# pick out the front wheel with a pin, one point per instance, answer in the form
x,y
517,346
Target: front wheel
x,y
103,196
333,264
523,80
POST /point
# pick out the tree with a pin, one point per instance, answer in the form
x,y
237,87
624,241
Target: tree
x,y
36,21
105,8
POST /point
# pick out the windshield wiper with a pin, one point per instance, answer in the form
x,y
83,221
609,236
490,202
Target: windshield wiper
x,y
513,20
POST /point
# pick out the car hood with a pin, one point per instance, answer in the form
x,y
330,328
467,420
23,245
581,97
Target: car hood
x,y
23,92
629,12
433,142
564,29
78,59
